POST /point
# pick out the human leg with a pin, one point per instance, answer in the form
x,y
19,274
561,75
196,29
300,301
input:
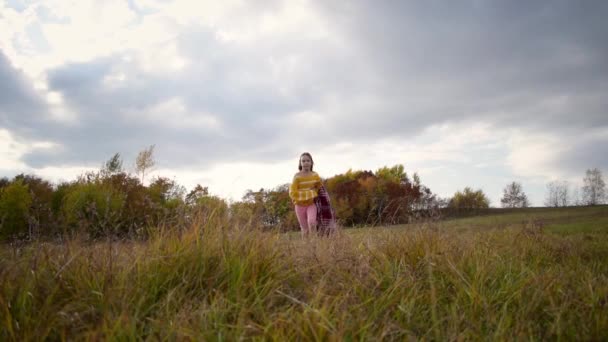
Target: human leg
x,y
301,213
311,215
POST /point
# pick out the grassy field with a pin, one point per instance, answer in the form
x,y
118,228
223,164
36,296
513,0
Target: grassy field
x,y
528,275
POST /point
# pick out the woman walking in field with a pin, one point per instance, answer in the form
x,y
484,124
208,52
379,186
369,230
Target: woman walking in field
x,y
311,200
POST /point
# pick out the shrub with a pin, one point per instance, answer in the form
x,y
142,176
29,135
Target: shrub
x,y
469,199
94,207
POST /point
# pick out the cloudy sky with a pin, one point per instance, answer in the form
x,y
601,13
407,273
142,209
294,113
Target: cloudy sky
x,y
465,93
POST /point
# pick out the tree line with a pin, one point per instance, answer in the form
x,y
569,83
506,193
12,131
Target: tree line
x,y
112,202
592,192
559,194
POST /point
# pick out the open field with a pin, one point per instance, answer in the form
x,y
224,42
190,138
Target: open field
x,y
529,274
569,220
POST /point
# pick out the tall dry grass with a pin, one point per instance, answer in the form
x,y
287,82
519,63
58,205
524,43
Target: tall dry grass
x,y
215,282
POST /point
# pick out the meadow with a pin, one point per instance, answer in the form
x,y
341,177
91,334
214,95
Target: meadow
x,y
530,274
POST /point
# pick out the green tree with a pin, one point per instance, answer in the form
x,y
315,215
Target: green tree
x,y
193,197
40,215
4,182
469,199
394,174
15,201
168,200
210,207
279,209
514,197
166,191
113,165
61,191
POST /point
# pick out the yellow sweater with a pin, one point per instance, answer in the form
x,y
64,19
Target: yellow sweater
x,y
304,189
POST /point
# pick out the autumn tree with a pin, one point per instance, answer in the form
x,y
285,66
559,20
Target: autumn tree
x,y
594,188
137,207
514,197
145,161
387,196
469,199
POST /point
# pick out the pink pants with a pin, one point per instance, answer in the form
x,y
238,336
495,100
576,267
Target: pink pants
x,y
307,216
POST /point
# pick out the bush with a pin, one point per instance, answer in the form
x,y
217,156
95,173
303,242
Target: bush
x,y
469,199
138,207
94,207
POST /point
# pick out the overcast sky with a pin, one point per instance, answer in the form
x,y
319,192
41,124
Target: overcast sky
x,y
465,93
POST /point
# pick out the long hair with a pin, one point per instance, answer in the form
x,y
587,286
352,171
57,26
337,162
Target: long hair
x,y
312,163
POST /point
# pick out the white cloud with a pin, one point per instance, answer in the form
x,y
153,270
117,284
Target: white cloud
x,y
11,150
243,21
54,98
532,155
231,180
91,29
358,86
161,58
60,173
185,12
12,29
174,114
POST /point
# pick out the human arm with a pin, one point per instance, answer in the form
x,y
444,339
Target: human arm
x,y
293,188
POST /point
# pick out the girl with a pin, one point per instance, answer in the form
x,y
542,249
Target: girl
x,y
303,191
